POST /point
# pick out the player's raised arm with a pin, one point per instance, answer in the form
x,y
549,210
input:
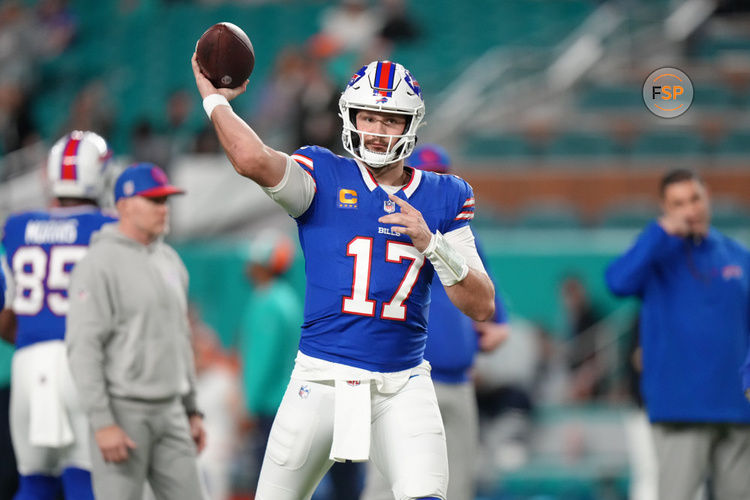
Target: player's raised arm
x,y
250,157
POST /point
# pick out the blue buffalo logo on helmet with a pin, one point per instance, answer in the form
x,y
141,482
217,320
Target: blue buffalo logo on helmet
x,y
412,83
357,76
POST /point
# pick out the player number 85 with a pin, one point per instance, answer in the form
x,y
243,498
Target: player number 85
x,y
31,266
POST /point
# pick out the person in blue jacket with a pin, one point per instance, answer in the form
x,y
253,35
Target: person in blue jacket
x,y
2,289
453,340
694,285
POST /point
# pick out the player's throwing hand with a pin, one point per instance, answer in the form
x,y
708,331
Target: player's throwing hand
x,y
411,223
206,88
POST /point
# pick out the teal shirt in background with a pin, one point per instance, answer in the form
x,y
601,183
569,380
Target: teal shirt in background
x,y
6,349
268,342
6,356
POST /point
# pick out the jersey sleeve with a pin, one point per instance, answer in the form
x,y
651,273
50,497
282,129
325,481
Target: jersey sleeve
x,y
305,158
296,190
10,283
462,240
5,261
462,211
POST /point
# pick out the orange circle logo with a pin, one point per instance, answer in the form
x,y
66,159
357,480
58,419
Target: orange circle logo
x,y
668,92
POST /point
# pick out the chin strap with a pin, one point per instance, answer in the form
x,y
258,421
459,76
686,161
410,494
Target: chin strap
x,y
449,265
374,159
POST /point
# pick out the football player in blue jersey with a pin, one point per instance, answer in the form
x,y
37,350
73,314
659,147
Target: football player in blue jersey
x,y
373,233
48,427
452,343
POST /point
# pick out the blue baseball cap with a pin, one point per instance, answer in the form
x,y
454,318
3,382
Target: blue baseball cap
x,y
430,157
144,179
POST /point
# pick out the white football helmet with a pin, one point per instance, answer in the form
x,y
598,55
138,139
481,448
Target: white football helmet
x,y
382,86
76,164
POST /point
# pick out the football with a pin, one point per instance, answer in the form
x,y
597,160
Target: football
x,y
225,55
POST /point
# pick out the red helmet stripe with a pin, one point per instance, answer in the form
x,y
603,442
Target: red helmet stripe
x,y
385,72
69,169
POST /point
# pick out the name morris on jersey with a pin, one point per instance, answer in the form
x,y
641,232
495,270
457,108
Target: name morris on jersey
x,y
40,232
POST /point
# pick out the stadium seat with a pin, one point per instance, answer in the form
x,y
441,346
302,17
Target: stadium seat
x,y
629,214
708,97
610,97
676,143
501,145
574,143
599,470
729,214
711,47
550,214
736,143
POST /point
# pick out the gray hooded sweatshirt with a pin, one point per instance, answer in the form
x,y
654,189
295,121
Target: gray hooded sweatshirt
x,y
127,332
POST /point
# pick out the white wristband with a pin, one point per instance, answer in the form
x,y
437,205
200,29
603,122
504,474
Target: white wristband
x,y
449,265
213,100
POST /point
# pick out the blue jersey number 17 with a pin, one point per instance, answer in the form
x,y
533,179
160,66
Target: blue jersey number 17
x,y
358,303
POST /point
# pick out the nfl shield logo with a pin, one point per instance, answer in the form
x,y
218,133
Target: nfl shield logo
x,y
389,206
304,392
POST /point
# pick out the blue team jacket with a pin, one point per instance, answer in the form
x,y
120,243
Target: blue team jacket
x,y
2,288
694,324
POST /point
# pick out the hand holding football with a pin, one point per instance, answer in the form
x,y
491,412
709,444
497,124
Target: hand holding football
x,y
225,55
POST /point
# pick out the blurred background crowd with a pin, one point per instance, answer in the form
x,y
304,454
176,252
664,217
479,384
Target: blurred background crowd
x,y
539,102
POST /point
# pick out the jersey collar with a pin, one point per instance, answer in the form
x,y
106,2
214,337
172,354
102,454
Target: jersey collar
x,y
413,184
371,183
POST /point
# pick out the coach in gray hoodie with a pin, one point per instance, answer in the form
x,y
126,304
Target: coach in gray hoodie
x,y
128,344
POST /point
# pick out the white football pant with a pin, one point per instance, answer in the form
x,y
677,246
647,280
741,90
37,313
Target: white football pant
x,y
407,441
41,371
